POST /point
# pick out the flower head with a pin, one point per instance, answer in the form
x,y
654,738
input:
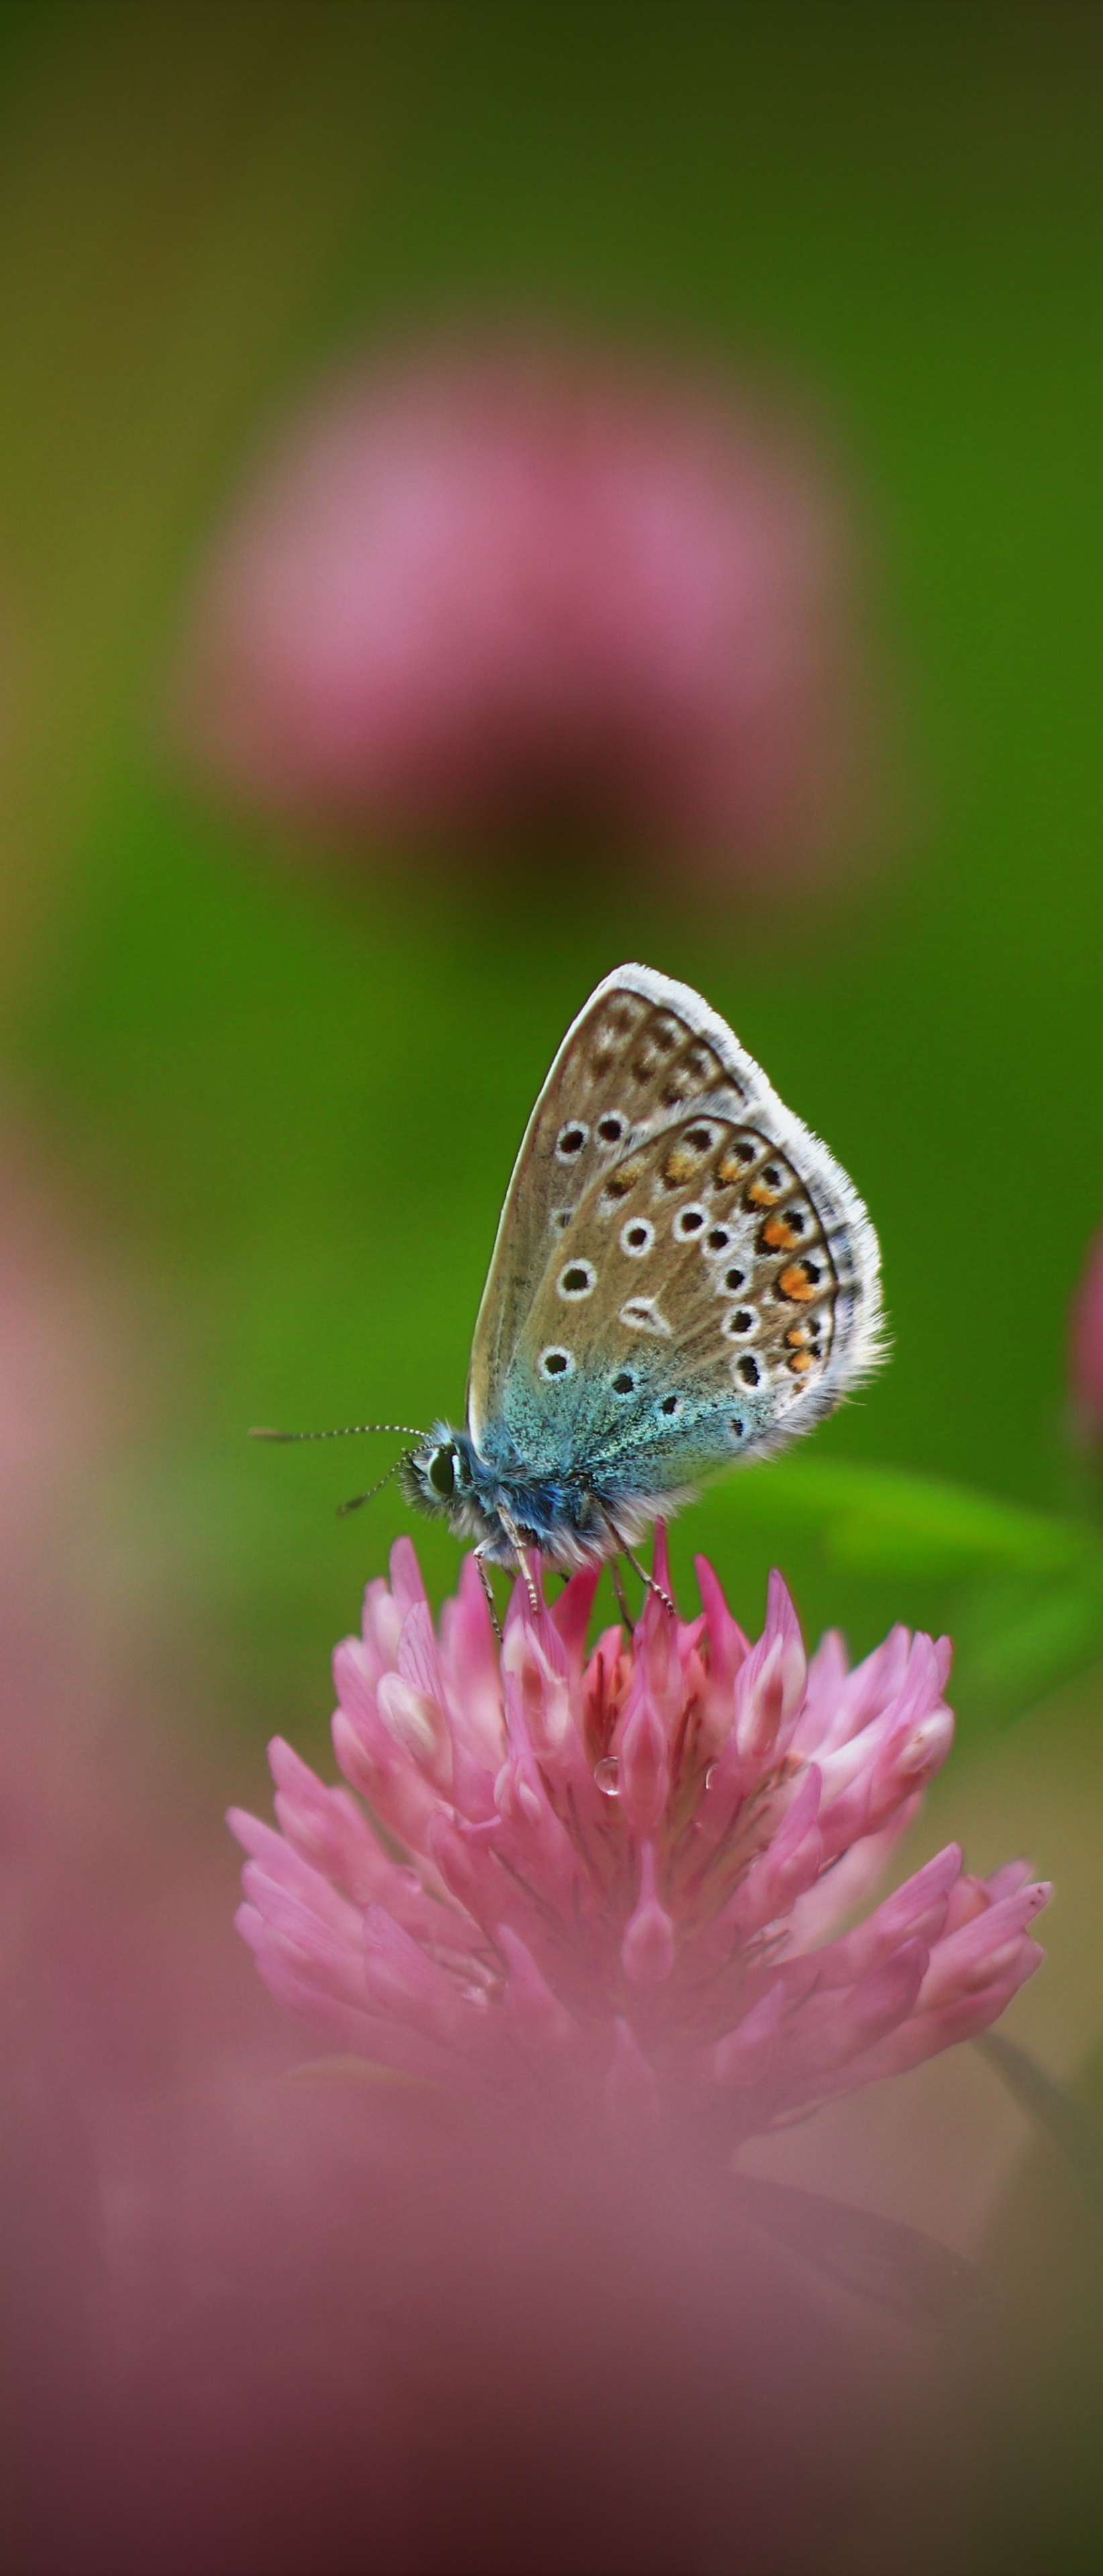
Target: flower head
x,y
615,1876
505,580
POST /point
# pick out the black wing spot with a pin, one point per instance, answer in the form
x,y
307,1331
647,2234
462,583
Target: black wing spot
x,y
579,1279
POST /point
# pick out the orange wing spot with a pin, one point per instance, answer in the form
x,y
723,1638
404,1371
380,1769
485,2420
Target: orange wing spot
x,y
801,1281
799,1335
800,1361
734,1162
680,1165
778,1235
763,1193
624,1179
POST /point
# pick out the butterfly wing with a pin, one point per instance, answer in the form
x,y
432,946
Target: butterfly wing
x,y
683,1274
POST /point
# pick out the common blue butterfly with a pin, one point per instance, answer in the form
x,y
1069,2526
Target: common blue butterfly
x,y
683,1276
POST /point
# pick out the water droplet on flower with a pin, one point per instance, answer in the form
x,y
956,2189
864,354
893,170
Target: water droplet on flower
x,y
710,1774
607,1776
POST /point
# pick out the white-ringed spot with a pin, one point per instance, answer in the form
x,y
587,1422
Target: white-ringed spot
x,y
748,1371
690,1221
571,1139
733,1281
741,1321
612,1127
560,1218
624,1383
717,1241
579,1279
637,1237
556,1362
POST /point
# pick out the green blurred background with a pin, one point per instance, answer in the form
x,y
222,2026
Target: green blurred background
x,y
222,1057
225,1057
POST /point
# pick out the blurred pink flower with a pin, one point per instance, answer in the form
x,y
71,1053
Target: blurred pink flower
x,y
501,583
621,1870
1086,1346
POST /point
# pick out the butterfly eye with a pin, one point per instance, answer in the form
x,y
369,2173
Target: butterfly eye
x,y
579,1279
571,1140
556,1362
441,1472
688,1222
637,1238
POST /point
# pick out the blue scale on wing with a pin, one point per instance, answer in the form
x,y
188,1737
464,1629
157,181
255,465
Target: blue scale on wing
x,y
627,1072
683,1313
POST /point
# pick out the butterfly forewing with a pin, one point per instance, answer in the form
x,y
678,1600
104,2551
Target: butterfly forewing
x,y
682,1274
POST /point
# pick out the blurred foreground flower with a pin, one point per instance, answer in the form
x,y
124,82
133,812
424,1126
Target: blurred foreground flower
x,y
1086,1347
503,585
621,1870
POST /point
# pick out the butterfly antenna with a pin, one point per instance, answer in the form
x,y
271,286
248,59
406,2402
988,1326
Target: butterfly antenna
x,y
350,1431
343,1509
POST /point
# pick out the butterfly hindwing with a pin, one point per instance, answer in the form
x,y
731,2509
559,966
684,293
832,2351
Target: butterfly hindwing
x,y
682,1274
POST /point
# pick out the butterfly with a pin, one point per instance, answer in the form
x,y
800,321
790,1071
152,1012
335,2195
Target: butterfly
x,y
683,1277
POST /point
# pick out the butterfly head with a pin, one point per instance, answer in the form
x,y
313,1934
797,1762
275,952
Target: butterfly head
x,y
440,1478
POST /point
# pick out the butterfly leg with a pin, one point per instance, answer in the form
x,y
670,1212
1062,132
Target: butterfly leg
x,y
650,1585
616,1578
488,1594
514,1536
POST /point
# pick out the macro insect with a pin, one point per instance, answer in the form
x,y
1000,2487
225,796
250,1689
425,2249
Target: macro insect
x,y
683,1277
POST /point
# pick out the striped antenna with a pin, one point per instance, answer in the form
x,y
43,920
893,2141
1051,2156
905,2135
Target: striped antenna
x,y
351,1431
343,1509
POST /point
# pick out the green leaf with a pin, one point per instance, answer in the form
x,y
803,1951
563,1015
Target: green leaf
x,y
1020,1591
883,1520
896,2267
